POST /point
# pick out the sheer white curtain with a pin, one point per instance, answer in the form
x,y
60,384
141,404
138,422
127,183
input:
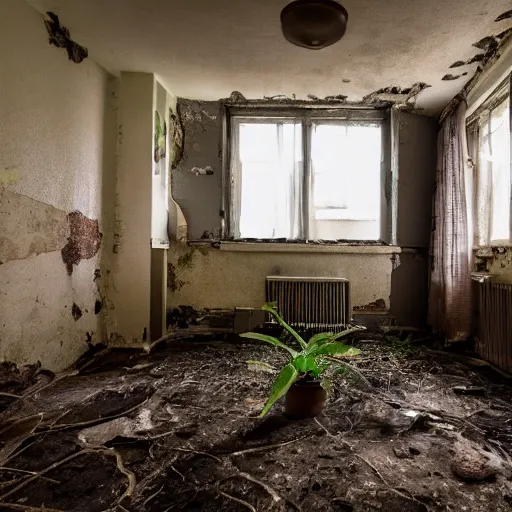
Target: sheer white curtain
x,y
268,197
346,167
268,179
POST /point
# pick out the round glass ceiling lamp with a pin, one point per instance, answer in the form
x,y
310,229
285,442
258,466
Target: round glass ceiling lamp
x,y
314,24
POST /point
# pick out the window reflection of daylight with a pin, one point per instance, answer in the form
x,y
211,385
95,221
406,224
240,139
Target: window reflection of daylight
x,y
495,168
345,176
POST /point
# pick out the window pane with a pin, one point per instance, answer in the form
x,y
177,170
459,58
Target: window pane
x,y
346,162
270,167
500,148
494,175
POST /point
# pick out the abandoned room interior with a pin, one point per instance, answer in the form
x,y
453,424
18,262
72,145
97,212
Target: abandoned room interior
x,y
255,255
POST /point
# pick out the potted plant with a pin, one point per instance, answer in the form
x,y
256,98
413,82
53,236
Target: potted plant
x,y
299,378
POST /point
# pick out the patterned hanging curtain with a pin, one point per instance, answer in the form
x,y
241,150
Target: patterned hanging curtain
x,y
450,284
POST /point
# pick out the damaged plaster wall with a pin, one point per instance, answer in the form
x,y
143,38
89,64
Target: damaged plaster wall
x,y
196,183
237,278
213,278
497,260
52,161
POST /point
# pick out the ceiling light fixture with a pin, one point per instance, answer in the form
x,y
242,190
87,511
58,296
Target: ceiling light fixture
x,y
314,24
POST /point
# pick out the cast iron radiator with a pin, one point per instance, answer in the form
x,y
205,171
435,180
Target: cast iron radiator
x,y
494,342
311,302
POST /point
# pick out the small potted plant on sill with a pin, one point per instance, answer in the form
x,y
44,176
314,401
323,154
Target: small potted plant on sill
x,y
299,379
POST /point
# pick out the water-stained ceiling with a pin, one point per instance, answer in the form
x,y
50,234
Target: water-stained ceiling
x,y
205,49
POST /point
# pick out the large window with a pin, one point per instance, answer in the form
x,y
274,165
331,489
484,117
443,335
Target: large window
x,y
306,176
490,140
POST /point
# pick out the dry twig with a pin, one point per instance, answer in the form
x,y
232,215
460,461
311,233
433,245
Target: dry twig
x,y
196,452
9,450
336,438
9,395
25,472
97,421
177,472
238,500
132,482
28,508
275,497
264,448
69,458
154,495
386,483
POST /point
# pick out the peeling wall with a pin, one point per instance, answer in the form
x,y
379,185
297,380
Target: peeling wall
x,y
43,228
225,279
213,278
52,158
196,183
495,260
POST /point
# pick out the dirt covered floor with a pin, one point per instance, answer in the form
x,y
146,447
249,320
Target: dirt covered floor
x,y
406,428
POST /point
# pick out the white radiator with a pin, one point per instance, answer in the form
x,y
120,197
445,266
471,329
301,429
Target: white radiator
x,y
311,302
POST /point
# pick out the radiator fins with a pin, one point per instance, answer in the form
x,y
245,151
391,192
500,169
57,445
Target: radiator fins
x,y
494,342
312,303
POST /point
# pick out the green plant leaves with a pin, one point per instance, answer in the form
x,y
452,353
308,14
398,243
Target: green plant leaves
x,y
281,385
269,308
325,338
335,348
263,366
305,364
309,360
269,339
316,339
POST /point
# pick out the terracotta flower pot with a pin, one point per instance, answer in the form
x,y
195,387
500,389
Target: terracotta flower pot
x,y
305,399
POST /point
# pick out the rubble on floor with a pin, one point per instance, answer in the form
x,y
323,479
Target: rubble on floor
x,y
178,429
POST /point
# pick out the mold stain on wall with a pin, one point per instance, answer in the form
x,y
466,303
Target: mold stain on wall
x,y
84,240
175,270
76,311
59,36
497,261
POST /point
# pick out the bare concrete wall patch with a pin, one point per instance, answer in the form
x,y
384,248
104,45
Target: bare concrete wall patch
x,y
199,198
29,227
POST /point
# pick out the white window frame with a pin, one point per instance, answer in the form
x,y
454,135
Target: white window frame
x,y
307,116
482,209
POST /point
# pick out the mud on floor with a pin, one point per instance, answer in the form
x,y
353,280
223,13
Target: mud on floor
x,y
405,429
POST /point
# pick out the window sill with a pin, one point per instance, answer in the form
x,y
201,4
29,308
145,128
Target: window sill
x,y
494,245
301,248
